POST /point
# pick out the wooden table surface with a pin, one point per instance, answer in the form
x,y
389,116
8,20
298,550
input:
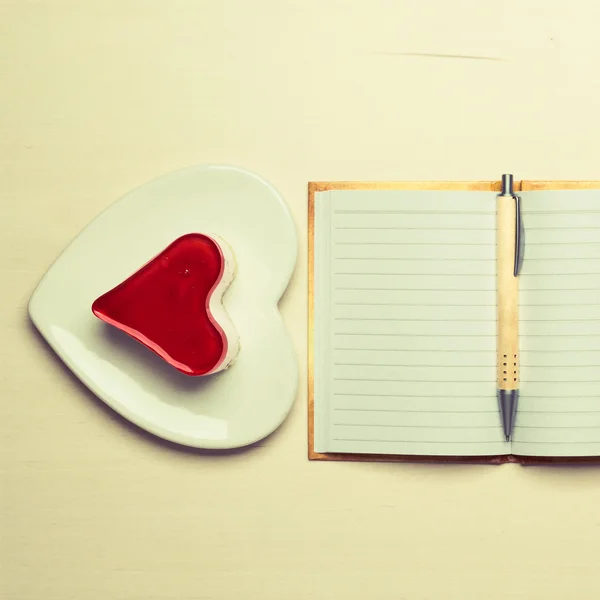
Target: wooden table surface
x,y
103,95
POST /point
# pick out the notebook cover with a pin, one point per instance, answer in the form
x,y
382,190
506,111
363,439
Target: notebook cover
x,y
481,186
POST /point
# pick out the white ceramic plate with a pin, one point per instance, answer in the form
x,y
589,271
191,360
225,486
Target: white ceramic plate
x,y
230,409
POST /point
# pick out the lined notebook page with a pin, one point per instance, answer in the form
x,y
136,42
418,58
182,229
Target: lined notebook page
x,y
405,323
559,409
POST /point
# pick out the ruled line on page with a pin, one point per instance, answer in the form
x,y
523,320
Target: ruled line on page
x,y
430,335
560,320
399,410
549,443
563,243
408,381
554,307
532,212
558,412
397,289
412,212
416,426
416,320
411,259
411,244
546,351
391,395
567,228
552,335
429,366
396,228
396,273
466,443
561,366
561,396
404,304
550,427
550,259
560,274
416,350
551,381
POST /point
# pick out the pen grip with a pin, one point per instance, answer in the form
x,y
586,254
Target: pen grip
x,y
507,286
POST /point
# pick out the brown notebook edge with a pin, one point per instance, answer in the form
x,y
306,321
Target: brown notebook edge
x,y
321,186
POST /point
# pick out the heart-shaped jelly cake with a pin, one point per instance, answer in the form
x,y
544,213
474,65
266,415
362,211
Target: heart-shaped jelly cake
x,y
173,305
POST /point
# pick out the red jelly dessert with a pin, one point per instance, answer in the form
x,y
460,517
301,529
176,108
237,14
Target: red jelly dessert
x,y
173,305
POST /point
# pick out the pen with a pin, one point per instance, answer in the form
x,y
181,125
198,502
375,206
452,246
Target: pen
x,y
509,256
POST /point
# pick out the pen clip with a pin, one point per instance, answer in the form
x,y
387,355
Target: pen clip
x,y
507,190
519,237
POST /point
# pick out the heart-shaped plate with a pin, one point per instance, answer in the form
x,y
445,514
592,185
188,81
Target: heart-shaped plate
x,y
230,409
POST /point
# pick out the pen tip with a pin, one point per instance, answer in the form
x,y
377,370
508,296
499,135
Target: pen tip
x,y
508,438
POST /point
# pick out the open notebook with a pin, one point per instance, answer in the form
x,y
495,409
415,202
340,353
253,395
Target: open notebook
x,y
402,343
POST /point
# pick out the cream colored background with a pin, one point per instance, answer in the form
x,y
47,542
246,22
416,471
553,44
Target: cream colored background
x,y
99,96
